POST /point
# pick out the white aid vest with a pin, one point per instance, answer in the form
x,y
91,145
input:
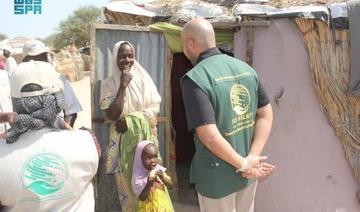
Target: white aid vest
x,y
48,171
5,98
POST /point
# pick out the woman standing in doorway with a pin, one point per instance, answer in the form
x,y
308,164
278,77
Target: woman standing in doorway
x,y
130,89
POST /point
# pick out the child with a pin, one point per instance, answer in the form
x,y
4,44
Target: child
x,y
149,180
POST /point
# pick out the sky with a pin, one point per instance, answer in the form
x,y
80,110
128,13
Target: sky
x,y
39,25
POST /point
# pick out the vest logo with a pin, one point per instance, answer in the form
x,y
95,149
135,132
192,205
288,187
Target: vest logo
x,y
24,7
240,99
44,173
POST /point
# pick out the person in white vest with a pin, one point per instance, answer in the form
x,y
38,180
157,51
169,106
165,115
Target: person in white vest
x,y
37,51
10,62
5,98
44,165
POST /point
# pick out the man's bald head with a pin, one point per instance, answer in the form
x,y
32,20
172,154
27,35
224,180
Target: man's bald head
x,y
202,31
197,36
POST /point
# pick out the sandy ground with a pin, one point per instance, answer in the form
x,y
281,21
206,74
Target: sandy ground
x,y
82,90
186,208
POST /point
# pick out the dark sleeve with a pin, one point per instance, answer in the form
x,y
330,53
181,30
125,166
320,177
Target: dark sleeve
x,y
198,108
263,98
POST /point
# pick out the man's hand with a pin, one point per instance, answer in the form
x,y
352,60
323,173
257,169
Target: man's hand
x,y
254,161
260,173
251,162
67,126
121,126
125,79
7,117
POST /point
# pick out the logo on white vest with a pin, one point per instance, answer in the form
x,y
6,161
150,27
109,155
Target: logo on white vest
x,y
44,173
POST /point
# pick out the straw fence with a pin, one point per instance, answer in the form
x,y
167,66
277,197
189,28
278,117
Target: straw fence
x,y
330,66
71,64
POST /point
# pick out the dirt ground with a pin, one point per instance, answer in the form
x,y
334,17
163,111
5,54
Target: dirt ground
x,y
82,91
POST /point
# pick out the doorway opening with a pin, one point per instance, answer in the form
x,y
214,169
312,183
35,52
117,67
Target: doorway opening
x,y
184,145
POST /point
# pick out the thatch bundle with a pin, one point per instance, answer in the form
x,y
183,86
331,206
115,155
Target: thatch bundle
x,y
330,66
70,63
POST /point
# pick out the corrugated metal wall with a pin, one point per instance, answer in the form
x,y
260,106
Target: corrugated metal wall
x,y
150,52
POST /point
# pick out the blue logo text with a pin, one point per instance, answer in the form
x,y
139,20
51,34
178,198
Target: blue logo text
x,y
24,7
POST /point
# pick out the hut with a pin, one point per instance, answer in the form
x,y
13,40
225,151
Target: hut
x,y
301,51
16,45
68,62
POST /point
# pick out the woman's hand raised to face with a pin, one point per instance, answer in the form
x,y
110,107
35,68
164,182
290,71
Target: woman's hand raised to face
x,y
125,79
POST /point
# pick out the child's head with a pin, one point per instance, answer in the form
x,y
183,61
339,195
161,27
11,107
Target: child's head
x,y
149,156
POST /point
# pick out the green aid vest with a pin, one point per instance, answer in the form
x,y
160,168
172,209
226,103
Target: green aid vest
x,y
232,87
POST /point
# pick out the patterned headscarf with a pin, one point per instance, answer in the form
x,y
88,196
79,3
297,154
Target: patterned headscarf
x,y
35,113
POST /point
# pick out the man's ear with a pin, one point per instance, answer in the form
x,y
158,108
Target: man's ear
x,y
191,43
194,46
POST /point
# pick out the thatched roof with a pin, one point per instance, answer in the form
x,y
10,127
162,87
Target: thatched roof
x,y
274,3
218,12
291,3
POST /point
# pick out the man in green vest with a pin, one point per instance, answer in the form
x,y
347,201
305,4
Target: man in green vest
x,y
230,113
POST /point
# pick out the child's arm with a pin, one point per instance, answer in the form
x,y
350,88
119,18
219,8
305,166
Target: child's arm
x,y
165,178
145,193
